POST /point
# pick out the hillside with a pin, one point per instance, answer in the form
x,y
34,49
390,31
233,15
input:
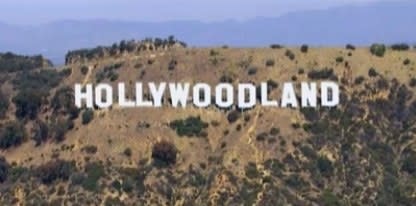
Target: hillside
x,y
362,152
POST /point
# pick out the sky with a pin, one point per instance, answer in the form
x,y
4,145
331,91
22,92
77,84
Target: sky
x,y
29,12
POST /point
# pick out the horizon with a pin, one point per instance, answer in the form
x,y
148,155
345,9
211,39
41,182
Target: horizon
x,y
127,11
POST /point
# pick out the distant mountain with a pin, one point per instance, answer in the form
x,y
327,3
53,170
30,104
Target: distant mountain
x,y
387,22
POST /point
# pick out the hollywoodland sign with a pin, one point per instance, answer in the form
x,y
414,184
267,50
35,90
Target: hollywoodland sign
x,y
244,95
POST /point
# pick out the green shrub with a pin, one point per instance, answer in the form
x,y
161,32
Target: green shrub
x,y
406,62
94,171
252,71
4,105
84,70
90,149
127,152
12,134
87,116
400,47
233,116
64,102
28,103
372,72
4,169
304,48
164,154
10,62
269,62
378,50
289,54
409,164
59,127
350,47
276,46
325,73
339,59
412,82
191,126
324,166
329,199
251,170
54,170
40,132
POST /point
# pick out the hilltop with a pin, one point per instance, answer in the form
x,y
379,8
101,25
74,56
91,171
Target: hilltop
x,y
362,152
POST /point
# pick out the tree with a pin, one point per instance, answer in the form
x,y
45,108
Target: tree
x,y
4,105
304,48
54,170
4,169
87,116
12,134
27,103
378,50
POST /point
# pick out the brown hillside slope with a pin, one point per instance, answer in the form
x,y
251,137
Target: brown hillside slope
x,y
352,154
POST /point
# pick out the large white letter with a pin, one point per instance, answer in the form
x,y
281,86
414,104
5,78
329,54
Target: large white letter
x,y
264,96
326,100
309,94
288,95
242,101
139,96
122,100
99,100
205,89
229,95
87,95
157,93
179,94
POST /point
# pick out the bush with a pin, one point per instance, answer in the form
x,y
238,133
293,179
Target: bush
x,y
40,132
90,149
329,199
84,70
28,103
127,152
406,62
94,172
412,82
372,72
378,50
289,54
339,59
251,170
409,164
10,62
325,73
350,47
4,169
324,166
252,71
87,116
233,116
12,134
276,46
4,105
304,48
191,126
59,127
54,170
269,62
164,154
400,47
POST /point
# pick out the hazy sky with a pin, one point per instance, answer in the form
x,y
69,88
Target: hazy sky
x,y
42,11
